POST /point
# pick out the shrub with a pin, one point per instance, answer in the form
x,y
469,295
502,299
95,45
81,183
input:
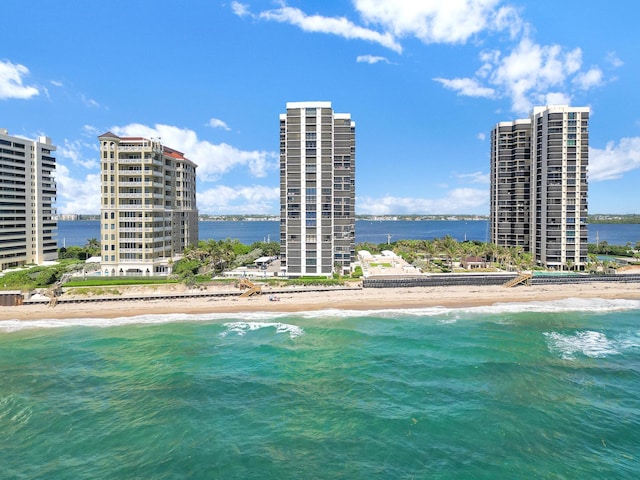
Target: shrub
x,y
357,272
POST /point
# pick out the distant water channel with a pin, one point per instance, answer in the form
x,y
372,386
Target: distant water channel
x,y
77,232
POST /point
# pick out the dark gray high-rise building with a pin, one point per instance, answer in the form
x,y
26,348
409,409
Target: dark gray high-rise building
x,y
539,185
317,189
511,184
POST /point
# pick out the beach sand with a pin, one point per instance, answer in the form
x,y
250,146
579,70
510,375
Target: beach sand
x,y
362,299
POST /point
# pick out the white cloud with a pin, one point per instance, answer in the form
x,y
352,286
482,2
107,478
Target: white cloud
x,y
613,59
531,69
459,200
339,26
11,77
475,177
217,123
530,73
239,9
256,199
467,86
554,98
614,160
213,160
589,79
73,150
371,59
56,83
435,21
91,131
481,136
77,195
89,102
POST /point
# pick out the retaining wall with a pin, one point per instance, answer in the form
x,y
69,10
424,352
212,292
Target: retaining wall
x,y
454,279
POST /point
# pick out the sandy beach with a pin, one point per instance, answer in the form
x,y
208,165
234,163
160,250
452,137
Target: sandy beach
x,y
361,299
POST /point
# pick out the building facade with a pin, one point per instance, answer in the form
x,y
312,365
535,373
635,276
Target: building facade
x,y
317,189
148,205
27,197
560,144
511,184
539,185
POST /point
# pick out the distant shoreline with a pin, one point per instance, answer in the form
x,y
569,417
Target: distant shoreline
x,y
594,219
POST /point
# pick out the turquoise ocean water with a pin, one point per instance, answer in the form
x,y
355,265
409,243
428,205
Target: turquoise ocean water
x,y
536,390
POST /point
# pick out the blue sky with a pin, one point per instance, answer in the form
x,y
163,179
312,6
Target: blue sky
x,y
425,81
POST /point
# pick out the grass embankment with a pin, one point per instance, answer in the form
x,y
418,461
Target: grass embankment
x,y
119,281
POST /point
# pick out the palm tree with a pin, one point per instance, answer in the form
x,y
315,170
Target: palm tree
x,y
450,248
92,246
430,250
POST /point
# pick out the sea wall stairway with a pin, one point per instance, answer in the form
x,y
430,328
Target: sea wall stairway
x,y
524,278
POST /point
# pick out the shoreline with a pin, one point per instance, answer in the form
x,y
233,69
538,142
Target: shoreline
x,y
308,301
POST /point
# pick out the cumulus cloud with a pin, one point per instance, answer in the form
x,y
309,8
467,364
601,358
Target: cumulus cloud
x,y
614,160
77,195
459,200
213,160
11,82
530,73
239,9
255,199
217,123
527,73
589,79
554,98
435,21
371,59
531,69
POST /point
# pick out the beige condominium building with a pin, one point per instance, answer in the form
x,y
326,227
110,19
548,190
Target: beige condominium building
x,y
148,205
27,195
317,189
539,185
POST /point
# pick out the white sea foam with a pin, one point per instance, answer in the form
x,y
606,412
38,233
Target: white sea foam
x,y
156,319
588,343
589,305
242,328
449,315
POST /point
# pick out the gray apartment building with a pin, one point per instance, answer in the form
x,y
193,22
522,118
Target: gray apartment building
x,y
539,185
148,205
27,196
317,189
511,184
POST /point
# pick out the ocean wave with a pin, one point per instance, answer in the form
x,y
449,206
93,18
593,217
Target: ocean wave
x,y
242,328
588,305
588,343
447,314
10,326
